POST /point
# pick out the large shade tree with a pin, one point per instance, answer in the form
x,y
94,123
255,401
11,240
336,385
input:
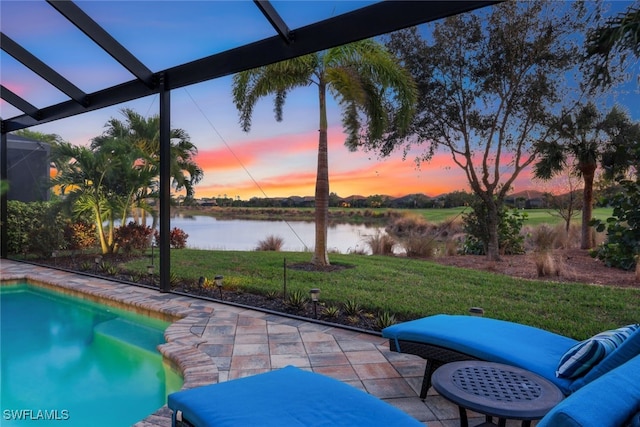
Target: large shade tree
x,y
489,82
375,93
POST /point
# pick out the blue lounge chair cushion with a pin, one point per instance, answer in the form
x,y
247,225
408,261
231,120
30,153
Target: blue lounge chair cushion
x,y
580,358
286,397
493,340
626,351
612,400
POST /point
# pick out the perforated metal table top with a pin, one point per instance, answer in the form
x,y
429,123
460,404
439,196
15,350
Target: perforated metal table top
x,y
496,390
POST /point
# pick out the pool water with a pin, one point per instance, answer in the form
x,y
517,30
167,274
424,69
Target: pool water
x,y
70,362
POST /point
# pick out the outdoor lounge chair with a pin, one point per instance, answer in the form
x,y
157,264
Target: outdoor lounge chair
x,y
286,397
613,400
444,338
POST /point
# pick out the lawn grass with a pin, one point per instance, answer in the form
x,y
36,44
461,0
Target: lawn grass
x,y
416,288
534,216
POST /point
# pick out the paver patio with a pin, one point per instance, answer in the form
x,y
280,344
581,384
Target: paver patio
x,y
212,342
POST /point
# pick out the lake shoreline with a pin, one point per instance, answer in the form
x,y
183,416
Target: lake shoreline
x,y
379,217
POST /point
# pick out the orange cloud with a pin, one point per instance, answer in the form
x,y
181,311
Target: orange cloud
x,y
286,167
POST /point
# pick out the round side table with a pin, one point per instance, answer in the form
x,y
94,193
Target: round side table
x,y
496,390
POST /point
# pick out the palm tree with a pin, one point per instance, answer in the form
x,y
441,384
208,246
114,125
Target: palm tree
x,y
144,133
588,139
368,84
611,44
81,173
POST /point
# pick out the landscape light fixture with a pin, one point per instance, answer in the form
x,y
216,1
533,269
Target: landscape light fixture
x,y
54,255
476,311
218,281
315,296
150,270
97,260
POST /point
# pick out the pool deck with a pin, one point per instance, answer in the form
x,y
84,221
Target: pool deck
x,y
212,342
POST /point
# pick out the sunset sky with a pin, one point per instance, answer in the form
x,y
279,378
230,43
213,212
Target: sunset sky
x,y
273,159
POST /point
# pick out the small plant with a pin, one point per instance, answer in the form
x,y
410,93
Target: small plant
x,y
206,283
331,311
272,295
352,308
384,320
297,300
109,269
86,266
271,243
174,279
353,319
137,277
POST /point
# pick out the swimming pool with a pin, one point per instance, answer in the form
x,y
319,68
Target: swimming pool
x,y
70,362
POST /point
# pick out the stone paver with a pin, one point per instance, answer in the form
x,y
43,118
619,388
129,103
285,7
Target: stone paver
x,y
212,342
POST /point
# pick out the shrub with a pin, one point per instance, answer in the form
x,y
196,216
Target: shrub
x,y
622,246
544,237
510,222
35,227
177,238
416,245
80,234
271,243
380,243
546,265
133,236
410,224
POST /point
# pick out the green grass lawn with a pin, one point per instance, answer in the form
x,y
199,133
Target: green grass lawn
x,y
534,216
416,288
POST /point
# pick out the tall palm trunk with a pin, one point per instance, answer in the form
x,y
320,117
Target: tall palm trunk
x,y
320,257
588,173
104,245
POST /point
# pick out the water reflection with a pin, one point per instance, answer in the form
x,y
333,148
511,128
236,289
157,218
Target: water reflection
x,y
243,235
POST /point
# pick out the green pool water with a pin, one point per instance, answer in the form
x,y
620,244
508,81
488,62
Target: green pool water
x,y
69,362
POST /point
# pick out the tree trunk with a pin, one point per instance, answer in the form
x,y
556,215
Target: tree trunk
x,y
493,244
320,257
104,247
588,173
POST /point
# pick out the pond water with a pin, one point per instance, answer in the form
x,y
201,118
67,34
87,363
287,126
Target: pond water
x,y
243,235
